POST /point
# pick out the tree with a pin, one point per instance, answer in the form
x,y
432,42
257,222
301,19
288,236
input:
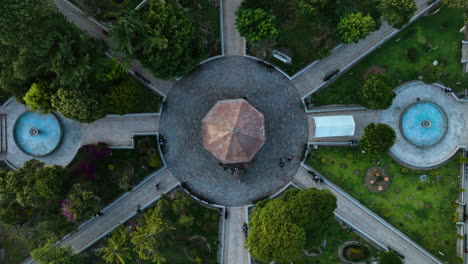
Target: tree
x,y
430,73
7,195
163,38
117,248
256,24
82,203
50,181
377,138
398,12
377,92
108,69
456,3
152,234
38,97
124,96
50,254
84,106
355,27
390,258
310,6
22,182
279,228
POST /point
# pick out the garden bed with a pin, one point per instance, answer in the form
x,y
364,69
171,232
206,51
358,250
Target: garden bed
x,y
435,37
199,240
423,210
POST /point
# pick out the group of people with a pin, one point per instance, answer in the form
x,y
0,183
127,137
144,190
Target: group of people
x,y
282,161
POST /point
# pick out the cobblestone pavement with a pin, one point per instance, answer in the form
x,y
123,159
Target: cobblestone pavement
x,y
371,225
361,118
233,42
285,125
312,78
118,130
234,250
96,31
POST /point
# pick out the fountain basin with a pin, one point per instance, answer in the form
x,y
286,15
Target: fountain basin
x,y
37,134
423,124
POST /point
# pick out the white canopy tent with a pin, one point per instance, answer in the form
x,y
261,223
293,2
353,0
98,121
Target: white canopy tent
x,y
334,126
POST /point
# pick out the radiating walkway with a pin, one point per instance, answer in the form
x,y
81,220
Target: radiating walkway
x,y
370,224
233,42
119,130
85,23
234,250
311,79
361,118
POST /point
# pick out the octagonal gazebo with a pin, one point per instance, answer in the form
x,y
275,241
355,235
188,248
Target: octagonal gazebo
x,y
233,131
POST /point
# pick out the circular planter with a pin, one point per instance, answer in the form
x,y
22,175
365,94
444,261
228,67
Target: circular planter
x,y
345,254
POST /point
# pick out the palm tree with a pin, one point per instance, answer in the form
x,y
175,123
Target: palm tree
x,y
117,250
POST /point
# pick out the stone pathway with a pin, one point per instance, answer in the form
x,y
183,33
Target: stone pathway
x,y
114,216
233,42
361,118
311,80
85,23
119,130
370,224
234,250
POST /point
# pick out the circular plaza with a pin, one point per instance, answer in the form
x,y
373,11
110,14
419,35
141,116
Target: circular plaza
x,y
285,130
428,124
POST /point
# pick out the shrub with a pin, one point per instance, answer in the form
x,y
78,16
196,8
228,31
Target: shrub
x,y
411,54
124,96
349,156
111,167
464,81
398,12
10,216
154,161
38,97
83,106
404,170
387,213
109,69
324,160
355,27
430,73
432,46
390,258
256,24
434,173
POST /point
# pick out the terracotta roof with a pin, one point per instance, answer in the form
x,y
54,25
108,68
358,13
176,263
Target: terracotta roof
x,y
233,131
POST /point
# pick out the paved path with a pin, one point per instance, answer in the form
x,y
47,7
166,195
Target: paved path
x,y
369,224
84,23
234,250
233,42
311,79
119,130
361,118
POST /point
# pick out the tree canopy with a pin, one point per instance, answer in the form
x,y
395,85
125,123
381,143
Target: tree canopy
x,y
430,73
377,92
51,254
398,12
390,258
281,228
163,38
256,24
377,138
118,247
355,27
82,204
310,6
39,96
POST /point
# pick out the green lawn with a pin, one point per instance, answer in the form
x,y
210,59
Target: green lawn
x,y
206,16
441,29
423,210
302,41
15,243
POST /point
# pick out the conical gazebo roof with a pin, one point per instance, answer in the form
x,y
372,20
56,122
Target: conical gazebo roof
x,y
233,131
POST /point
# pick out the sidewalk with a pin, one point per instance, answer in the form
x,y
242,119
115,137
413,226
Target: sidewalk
x,y
234,250
369,224
233,42
345,56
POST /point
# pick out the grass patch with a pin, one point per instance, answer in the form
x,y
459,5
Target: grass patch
x,y
148,100
439,30
17,247
423,210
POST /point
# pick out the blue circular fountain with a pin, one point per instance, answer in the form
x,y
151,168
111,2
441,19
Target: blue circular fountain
x,y
37,134
423,124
